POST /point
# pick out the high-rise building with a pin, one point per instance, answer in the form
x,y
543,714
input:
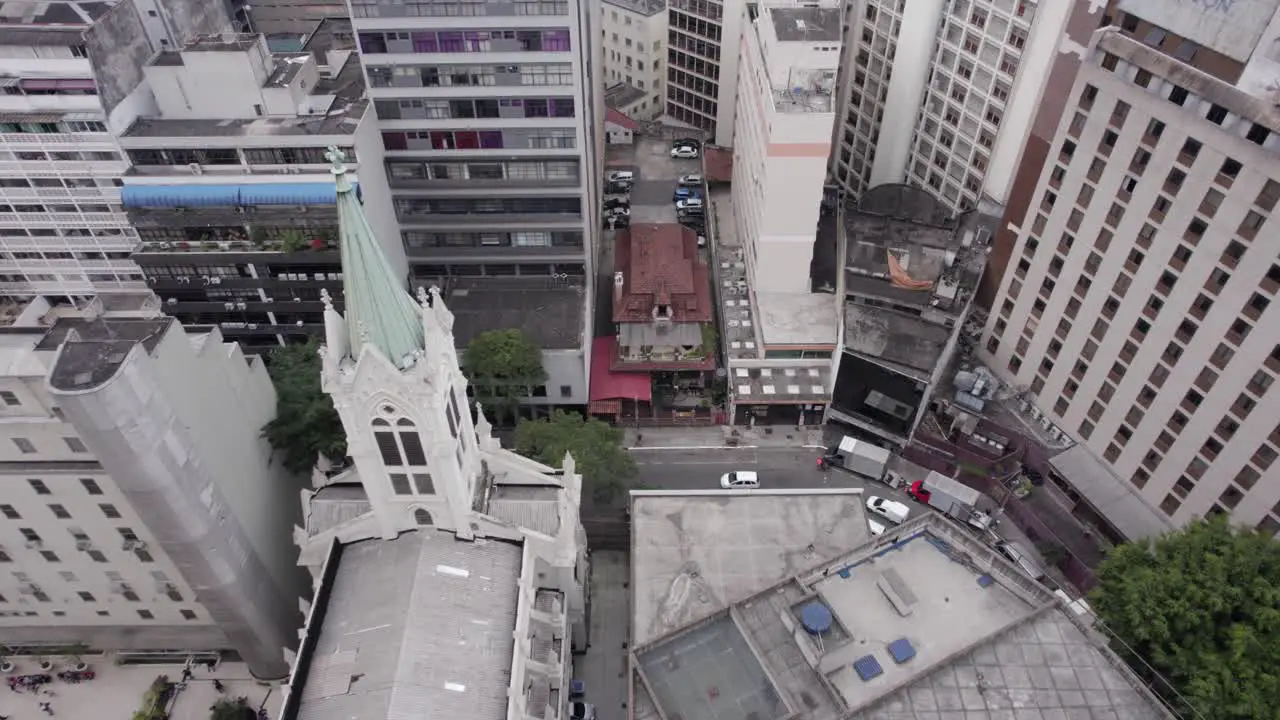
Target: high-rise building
x,y
492,127
941,93
634,35
144,511
702,64
1135,313
230,190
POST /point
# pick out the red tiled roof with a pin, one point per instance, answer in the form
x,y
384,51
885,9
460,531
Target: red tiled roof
x,y
617,118
719,164
660,266
607,384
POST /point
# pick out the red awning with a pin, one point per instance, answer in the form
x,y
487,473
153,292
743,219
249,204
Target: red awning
x,y
609,385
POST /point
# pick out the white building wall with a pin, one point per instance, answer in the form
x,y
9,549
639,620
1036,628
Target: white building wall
x,y
1168,394
64,230
635,52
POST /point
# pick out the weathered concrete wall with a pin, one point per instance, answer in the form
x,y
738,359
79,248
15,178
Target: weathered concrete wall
x,y
1231,27
118,47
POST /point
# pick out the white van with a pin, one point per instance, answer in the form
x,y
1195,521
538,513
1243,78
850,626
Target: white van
x,y
620,176
740,480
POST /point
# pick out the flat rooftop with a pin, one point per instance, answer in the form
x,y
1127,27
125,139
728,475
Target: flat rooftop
x,y
922,622
693,553
896,337
621,95
93,350
47,24
340,117
550,312
806,24
782,383
797,318
640,7
422,621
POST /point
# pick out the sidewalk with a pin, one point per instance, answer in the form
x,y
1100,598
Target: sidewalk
x,y
716,436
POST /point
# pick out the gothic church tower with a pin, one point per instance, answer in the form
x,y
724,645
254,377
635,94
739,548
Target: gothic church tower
x,y
392,370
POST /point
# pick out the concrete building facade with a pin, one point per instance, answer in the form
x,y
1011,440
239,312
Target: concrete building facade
x,y
145,512
941,94
634,36
703,38
1148,253
493,132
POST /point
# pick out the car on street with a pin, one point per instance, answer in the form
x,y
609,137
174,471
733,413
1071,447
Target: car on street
x,y
689,204
684,152
891,510
616,202
1019,556
690,180
620,176
618,188
580,710
740,480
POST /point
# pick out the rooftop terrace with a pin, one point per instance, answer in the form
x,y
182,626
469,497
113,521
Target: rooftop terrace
x,y
806,24
923,622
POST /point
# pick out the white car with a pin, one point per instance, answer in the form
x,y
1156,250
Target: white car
x,y
685,152
690,180
702,241
620,176
579,710
689,204
740,480
891,510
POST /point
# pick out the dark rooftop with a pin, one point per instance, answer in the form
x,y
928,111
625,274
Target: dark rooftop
x,y
621,95
897,337
642,7
48,24
824,268
806,24
93,350
551,312
342,117
659,265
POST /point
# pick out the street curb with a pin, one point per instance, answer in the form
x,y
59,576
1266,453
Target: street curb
x,y
694,447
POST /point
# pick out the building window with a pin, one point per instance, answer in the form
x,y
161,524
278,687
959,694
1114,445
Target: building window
x,y
75,445
146,615
110,511
25,446
422,517
91,486
40,487
188,614
401,448
10,512
9,398
60,512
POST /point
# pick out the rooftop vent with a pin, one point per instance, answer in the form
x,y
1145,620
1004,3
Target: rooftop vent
x,y
867,667
901,650
816,618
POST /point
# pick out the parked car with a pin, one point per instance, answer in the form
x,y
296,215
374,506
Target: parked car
x,y
620,175
618,188
684,152
618,212
689,204
690,180
1023,559
740,480
891,510
616,202
581,710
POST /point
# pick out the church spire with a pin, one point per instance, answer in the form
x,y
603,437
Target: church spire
x,y
379,310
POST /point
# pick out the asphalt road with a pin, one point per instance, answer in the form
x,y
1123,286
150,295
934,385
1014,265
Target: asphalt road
x,y
779,468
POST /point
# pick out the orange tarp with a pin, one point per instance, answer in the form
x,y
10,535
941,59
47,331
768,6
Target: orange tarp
x,y
902,280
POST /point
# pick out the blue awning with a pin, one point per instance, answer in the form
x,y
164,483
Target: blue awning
x,y
193,196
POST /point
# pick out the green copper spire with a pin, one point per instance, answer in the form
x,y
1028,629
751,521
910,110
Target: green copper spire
x,y
379,310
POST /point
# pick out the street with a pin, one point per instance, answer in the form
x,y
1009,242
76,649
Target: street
x,y
780,468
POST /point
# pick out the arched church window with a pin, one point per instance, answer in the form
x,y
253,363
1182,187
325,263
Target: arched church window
x,y
422,517
400,447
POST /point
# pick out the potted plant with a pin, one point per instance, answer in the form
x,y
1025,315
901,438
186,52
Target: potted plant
x,y
8,667
46,665
292,240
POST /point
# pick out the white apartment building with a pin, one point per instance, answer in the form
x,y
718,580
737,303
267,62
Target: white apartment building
x,y
62,228
942,93
703,38
143,512
1136,310
789,61
634,34
493,130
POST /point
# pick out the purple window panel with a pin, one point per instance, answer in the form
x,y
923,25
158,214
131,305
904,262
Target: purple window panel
x,y
562,108
425,42
491,139
452,42
535,107
476,41
555,41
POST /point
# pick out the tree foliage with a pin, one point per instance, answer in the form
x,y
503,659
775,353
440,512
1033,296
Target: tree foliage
x,y
596,447
503,365
1202,606
232,709
306,424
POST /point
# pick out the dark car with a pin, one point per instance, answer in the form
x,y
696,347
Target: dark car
x,y
618,188
616,202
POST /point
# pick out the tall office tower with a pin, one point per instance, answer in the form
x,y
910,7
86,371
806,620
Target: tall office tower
x,y
143,510
1137,316
942,93
231,192
702,64
62,229
492,126
634,34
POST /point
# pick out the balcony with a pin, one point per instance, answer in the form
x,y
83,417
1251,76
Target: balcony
x,y
258,240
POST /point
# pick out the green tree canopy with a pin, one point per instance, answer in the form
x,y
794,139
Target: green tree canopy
x,y
1202,606
596,447
306,423
503,365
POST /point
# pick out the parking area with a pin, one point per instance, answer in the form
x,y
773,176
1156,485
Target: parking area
x,y
603,669
656,175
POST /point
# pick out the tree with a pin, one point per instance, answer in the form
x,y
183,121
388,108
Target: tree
x,y
306,424
1202,607
596,447
503,365
232,709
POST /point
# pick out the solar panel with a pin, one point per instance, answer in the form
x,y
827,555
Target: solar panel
x,y
901,650
985,581
868,667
